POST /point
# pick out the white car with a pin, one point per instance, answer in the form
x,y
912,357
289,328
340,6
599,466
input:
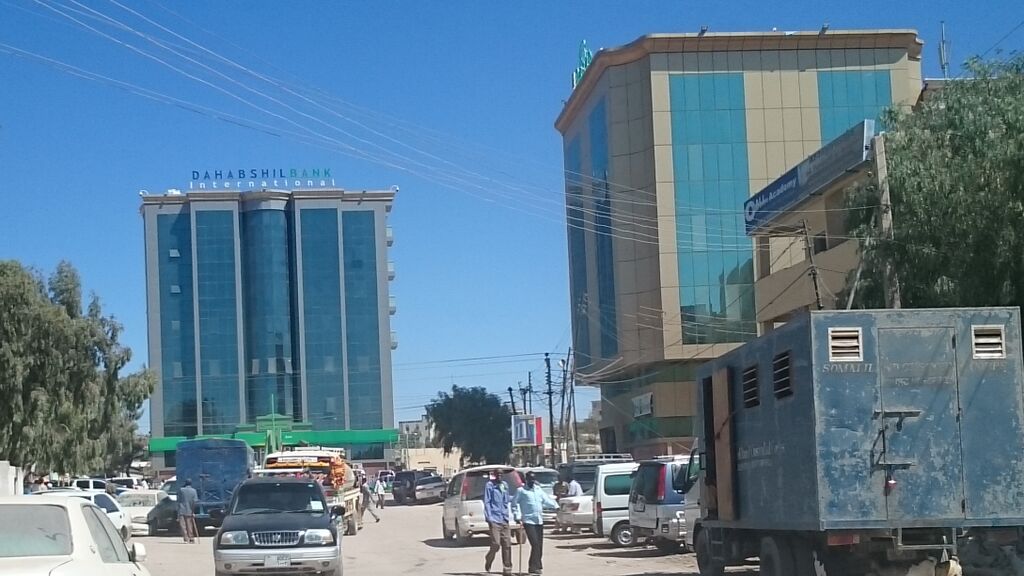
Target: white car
x,y
63,537
463,515
576,512
136,505
103,500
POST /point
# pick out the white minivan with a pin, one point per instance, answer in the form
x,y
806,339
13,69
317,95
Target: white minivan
x,y
611,502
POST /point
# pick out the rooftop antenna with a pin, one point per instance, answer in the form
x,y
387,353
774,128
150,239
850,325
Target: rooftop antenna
x,y
944,51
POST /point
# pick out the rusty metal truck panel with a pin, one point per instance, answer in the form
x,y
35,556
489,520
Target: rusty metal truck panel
x,y
868,419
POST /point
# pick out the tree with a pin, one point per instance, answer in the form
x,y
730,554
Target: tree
x,y
956,181
475,421
64,405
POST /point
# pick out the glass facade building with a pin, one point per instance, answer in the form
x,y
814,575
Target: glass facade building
x,y
269,303
664,139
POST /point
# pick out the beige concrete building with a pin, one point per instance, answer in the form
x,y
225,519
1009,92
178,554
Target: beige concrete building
x,y
665,139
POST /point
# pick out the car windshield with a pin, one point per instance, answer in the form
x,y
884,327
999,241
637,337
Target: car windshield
x,y
545,477
272,497
34,530
131,499
171,487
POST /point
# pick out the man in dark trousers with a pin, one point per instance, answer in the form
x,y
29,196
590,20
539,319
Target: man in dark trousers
x,y
496,511
529,504
187,500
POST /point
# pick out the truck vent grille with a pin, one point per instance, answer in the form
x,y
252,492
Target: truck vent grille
x,y
844,345
283,538
780,376
988,342
751,395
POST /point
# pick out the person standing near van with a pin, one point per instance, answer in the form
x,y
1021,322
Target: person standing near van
x,y
530,502
574,488
496,511
187,500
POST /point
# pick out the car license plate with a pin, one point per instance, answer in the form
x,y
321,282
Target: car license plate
x,y
277,561
639,506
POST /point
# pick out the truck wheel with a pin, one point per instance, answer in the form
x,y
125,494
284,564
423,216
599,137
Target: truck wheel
x,y
705,563
622,535
776,557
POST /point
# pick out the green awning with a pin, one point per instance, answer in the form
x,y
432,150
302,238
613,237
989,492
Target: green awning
x,y
292,438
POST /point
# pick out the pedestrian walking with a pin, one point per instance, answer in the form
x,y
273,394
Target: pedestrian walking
x,y
496,513
574,488
187,500
379,492
529,505
366,497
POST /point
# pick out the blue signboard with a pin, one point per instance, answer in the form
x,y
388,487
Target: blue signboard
x,y
810,177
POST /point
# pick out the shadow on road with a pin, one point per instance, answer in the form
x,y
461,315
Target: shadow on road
x,y
632,553
596,545
442,543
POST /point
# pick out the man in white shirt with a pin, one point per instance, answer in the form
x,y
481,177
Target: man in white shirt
x,y
574,488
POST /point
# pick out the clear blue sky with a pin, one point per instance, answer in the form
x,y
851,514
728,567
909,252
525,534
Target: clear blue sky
x,y
454,101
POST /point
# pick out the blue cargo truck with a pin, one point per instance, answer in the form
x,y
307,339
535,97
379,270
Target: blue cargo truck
x,y
845,442
215,467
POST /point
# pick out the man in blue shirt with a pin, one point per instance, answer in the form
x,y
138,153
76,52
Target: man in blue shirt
x,y
530,502
496,510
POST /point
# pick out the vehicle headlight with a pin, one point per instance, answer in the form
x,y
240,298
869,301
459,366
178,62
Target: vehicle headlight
x,y
319,536
234,538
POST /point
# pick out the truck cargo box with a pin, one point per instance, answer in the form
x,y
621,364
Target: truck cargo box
x,y
885,419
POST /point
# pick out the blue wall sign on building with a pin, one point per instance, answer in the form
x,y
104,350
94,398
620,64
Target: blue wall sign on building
x,y
258,178
809,177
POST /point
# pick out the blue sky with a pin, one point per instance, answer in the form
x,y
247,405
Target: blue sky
x,y
452,101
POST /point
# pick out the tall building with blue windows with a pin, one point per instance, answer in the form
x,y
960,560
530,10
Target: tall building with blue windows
x,y
269,318
664,140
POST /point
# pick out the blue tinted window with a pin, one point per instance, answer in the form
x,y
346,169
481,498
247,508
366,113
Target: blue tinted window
x,y
709,152
845,97
177,325
268,314
218,320
362,319
577,252
605,261
321,310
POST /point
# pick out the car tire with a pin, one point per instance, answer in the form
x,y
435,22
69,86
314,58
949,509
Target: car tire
x,y
622,535
705,563
667,546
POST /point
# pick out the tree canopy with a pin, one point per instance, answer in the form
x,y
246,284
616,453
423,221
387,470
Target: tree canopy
x,y
956,180
475,421
64,404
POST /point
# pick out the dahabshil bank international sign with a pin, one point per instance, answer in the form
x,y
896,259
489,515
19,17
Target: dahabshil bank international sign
x,y
259,178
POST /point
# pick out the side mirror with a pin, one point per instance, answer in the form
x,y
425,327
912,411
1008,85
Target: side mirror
x,y
337,511
217,514
137,553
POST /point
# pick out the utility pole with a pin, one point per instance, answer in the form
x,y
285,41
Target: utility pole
x,y
513,399
529,389
814,269
944,51
551,409
890,279
572,402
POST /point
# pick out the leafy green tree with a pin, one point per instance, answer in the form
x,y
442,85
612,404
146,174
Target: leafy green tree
x,y
64,404
956,181
475,421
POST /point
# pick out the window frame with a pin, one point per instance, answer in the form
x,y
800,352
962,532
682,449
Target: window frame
x,y
617,475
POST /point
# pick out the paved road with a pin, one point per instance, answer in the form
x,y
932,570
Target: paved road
x,y
408,542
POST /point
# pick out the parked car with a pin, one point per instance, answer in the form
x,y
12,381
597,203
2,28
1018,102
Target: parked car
x,y
102,500
584,468
163,517
611,502
463,514
63,537
430,489
278,523
137,505
404,487
656,502
546,479
575,513
93,484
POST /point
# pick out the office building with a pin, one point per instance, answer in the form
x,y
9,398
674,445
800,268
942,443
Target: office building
x,y
664,140
269,317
